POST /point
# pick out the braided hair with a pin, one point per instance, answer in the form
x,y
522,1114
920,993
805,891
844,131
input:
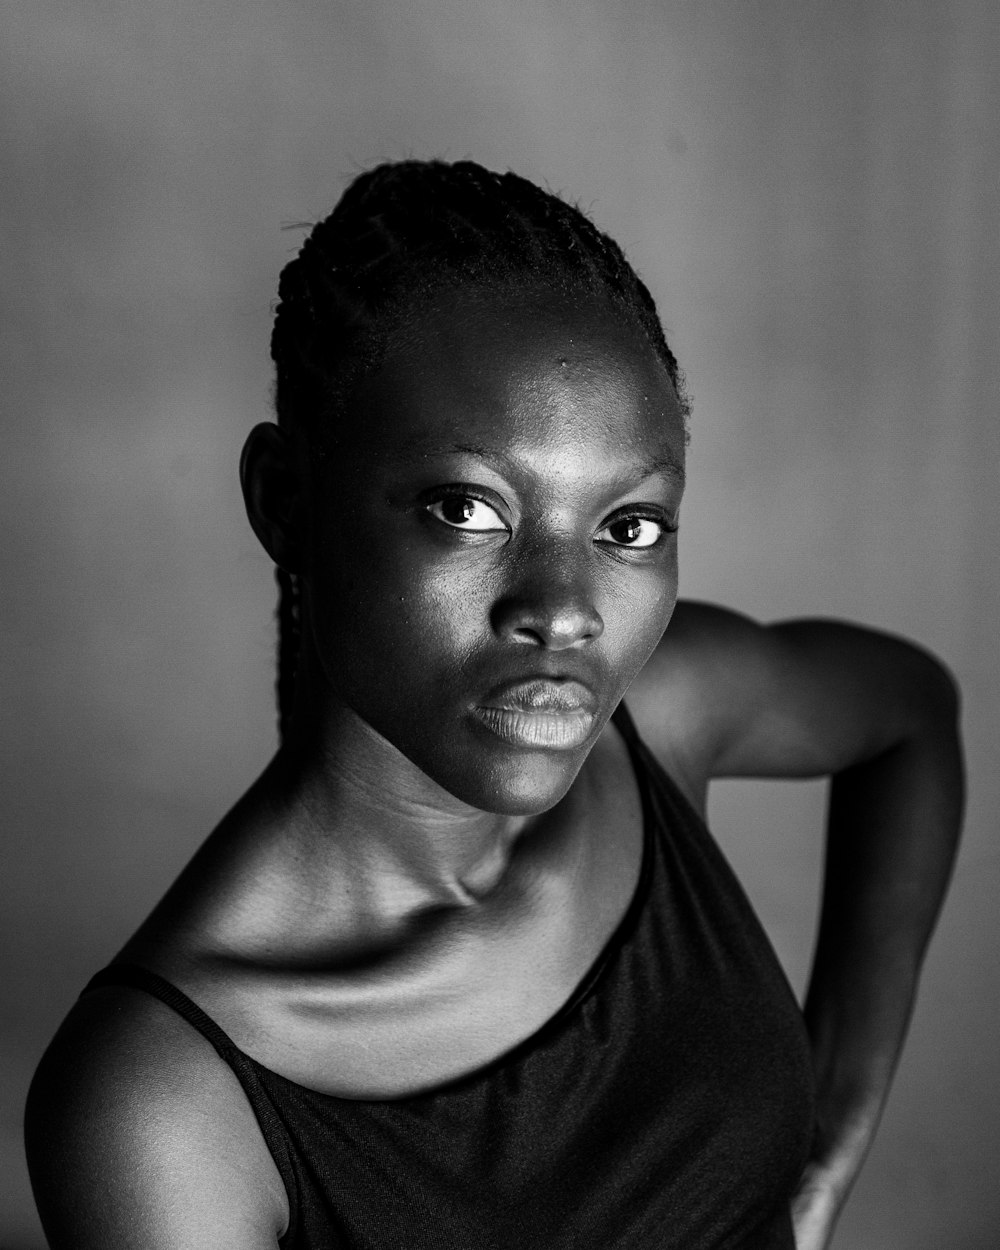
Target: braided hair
x,y
402,234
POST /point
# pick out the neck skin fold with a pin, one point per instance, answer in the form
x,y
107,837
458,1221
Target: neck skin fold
x,y
357,808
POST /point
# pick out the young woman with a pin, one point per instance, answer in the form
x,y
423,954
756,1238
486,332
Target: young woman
x,y
464,968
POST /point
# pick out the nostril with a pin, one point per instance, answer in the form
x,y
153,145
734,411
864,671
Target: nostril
x,y
534,625
531,636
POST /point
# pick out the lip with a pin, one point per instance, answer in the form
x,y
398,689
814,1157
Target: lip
x,y
540,712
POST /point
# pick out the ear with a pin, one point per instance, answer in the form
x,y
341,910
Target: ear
x,y
273,493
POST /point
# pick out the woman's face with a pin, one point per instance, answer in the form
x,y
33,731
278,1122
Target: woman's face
x,y
491,556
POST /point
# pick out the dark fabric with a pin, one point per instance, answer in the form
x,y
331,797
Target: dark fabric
x,y
667,1106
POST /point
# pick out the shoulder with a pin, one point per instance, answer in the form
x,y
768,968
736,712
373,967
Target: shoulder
x,y
138,1134
723,695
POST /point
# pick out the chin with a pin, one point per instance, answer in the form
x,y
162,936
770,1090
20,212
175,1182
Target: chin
x,y
482,771
523,784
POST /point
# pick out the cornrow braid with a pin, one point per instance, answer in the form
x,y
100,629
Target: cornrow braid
x,y
402,233
288,645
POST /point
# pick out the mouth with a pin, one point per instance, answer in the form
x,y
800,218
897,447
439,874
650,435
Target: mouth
x,y
540,712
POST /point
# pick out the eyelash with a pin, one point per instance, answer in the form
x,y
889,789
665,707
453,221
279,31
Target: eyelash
x,y
657,518
460,491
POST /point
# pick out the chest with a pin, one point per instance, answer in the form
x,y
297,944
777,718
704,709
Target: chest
x,y
671,1106
461,990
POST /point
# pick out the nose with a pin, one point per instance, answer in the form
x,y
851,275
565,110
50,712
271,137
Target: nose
x,y
553,609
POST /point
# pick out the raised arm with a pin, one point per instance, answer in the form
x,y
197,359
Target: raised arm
x,y
140,1138
726,697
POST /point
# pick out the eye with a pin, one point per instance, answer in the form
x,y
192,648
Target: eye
x,y
632,531
466,512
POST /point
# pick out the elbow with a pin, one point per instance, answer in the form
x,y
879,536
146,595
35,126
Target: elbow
x,y
937,695
921,708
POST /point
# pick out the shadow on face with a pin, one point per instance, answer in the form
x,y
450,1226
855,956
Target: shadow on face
x,y
496,508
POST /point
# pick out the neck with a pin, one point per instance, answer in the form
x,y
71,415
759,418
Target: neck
x,y
359,810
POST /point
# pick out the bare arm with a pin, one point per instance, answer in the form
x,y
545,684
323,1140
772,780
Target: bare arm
x,y
892,831
808,698
139,1136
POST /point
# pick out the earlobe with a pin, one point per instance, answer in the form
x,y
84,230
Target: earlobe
x,y
272,492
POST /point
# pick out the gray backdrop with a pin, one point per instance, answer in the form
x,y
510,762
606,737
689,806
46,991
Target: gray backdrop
x,y
810,191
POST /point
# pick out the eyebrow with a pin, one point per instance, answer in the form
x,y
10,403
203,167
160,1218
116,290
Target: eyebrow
x,y
666,463
663,462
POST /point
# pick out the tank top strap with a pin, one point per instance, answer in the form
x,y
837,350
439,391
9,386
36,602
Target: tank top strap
x,y
152,983
246,1071
625,725
653,774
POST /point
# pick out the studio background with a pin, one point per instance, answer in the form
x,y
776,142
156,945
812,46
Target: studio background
x,y
810,191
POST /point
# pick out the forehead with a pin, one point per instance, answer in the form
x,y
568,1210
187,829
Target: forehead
x,y
541,374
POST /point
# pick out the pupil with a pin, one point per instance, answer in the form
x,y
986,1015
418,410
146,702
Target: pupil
x,y
625,531
457,510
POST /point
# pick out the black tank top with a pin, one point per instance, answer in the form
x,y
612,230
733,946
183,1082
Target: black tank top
x,y
668,1105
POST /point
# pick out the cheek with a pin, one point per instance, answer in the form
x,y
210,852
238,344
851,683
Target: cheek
x,y
636,609
388,611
